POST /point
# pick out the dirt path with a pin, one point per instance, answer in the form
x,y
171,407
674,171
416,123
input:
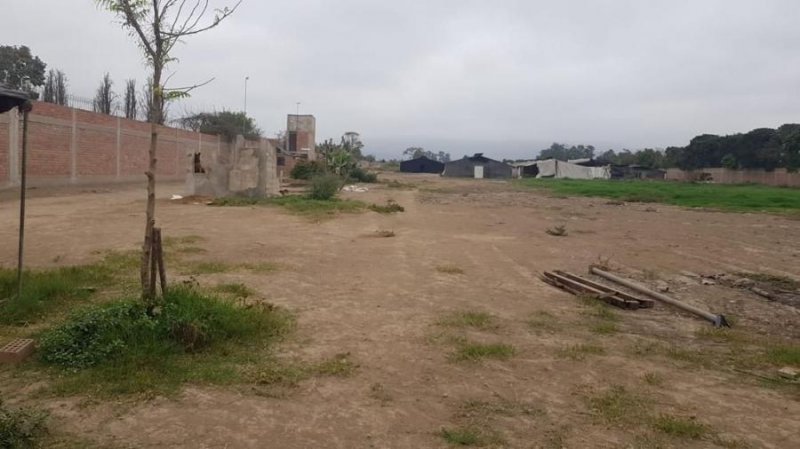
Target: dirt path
x,y
380,299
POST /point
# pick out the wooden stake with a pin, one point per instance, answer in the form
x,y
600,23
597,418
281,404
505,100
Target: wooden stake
x,y
151,292
162,270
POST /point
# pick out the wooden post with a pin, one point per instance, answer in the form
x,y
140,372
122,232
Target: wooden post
x,y
162,271
151,291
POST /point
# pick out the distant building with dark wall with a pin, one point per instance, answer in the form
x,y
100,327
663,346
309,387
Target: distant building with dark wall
x,y
477,166
301,135
422,164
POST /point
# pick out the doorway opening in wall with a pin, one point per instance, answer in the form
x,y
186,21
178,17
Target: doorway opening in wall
x,y
292,141
198,166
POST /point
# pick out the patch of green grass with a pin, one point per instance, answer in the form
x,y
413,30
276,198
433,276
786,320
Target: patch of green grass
x,y
580,351
173,241
784,355
778,282
21,428
449,269
45,291
475,408
290,374
207,267
476,320
680,427
261,267
238,290
297,204
395,184
473,352
729,197
389,208
605,328
471,436
616,405
122,348
191,250
543,320
653,379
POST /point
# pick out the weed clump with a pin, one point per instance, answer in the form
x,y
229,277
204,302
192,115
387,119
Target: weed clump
x,y
389,208
20,428
557,231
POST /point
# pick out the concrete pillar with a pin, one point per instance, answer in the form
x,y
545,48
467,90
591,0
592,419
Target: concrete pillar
x,y
13,147
73,148
268,169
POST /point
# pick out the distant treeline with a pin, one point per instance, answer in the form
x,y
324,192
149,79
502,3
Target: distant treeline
x,y
764,148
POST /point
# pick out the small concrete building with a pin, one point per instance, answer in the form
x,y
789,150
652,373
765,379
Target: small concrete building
x,y
240,168
422,164
478,167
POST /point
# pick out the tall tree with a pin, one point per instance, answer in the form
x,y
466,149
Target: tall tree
x,y
158,25
104,98
20,70
131,110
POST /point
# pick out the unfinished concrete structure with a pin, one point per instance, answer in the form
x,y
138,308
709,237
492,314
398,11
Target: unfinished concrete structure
x,y
240,168
301,136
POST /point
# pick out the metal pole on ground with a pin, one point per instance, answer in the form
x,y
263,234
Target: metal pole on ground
x,y
25,108
717,320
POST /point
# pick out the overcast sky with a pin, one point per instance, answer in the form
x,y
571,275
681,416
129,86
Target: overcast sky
x,y
505,77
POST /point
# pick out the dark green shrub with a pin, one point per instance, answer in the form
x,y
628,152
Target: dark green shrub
x,y
358,174
19,429
390,208
307,169
324,187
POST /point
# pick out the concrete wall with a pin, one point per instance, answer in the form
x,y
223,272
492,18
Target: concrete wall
x,y
72,146
241,168
777,177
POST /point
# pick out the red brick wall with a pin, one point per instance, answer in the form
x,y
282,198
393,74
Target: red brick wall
x,y
62,151
48,149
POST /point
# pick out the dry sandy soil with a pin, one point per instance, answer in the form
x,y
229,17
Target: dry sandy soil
x,y
383,301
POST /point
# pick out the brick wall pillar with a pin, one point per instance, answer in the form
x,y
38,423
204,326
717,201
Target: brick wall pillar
x,y
119,148
73,149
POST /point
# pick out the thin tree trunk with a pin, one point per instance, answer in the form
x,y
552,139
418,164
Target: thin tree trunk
x,y
150,219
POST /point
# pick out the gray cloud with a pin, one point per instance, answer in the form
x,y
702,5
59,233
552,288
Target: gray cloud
x,y
507,77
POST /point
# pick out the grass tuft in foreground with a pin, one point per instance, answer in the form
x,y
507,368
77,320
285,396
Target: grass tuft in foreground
x,y
471,436
45,291
476,320
21,428
680,427
730,197
122,348
300,205
474,352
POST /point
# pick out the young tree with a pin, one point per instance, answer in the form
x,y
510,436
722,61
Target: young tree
x,y
104,98
130,100
158,25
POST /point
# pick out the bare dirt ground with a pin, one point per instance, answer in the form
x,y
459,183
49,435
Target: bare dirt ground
x,y
383,299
